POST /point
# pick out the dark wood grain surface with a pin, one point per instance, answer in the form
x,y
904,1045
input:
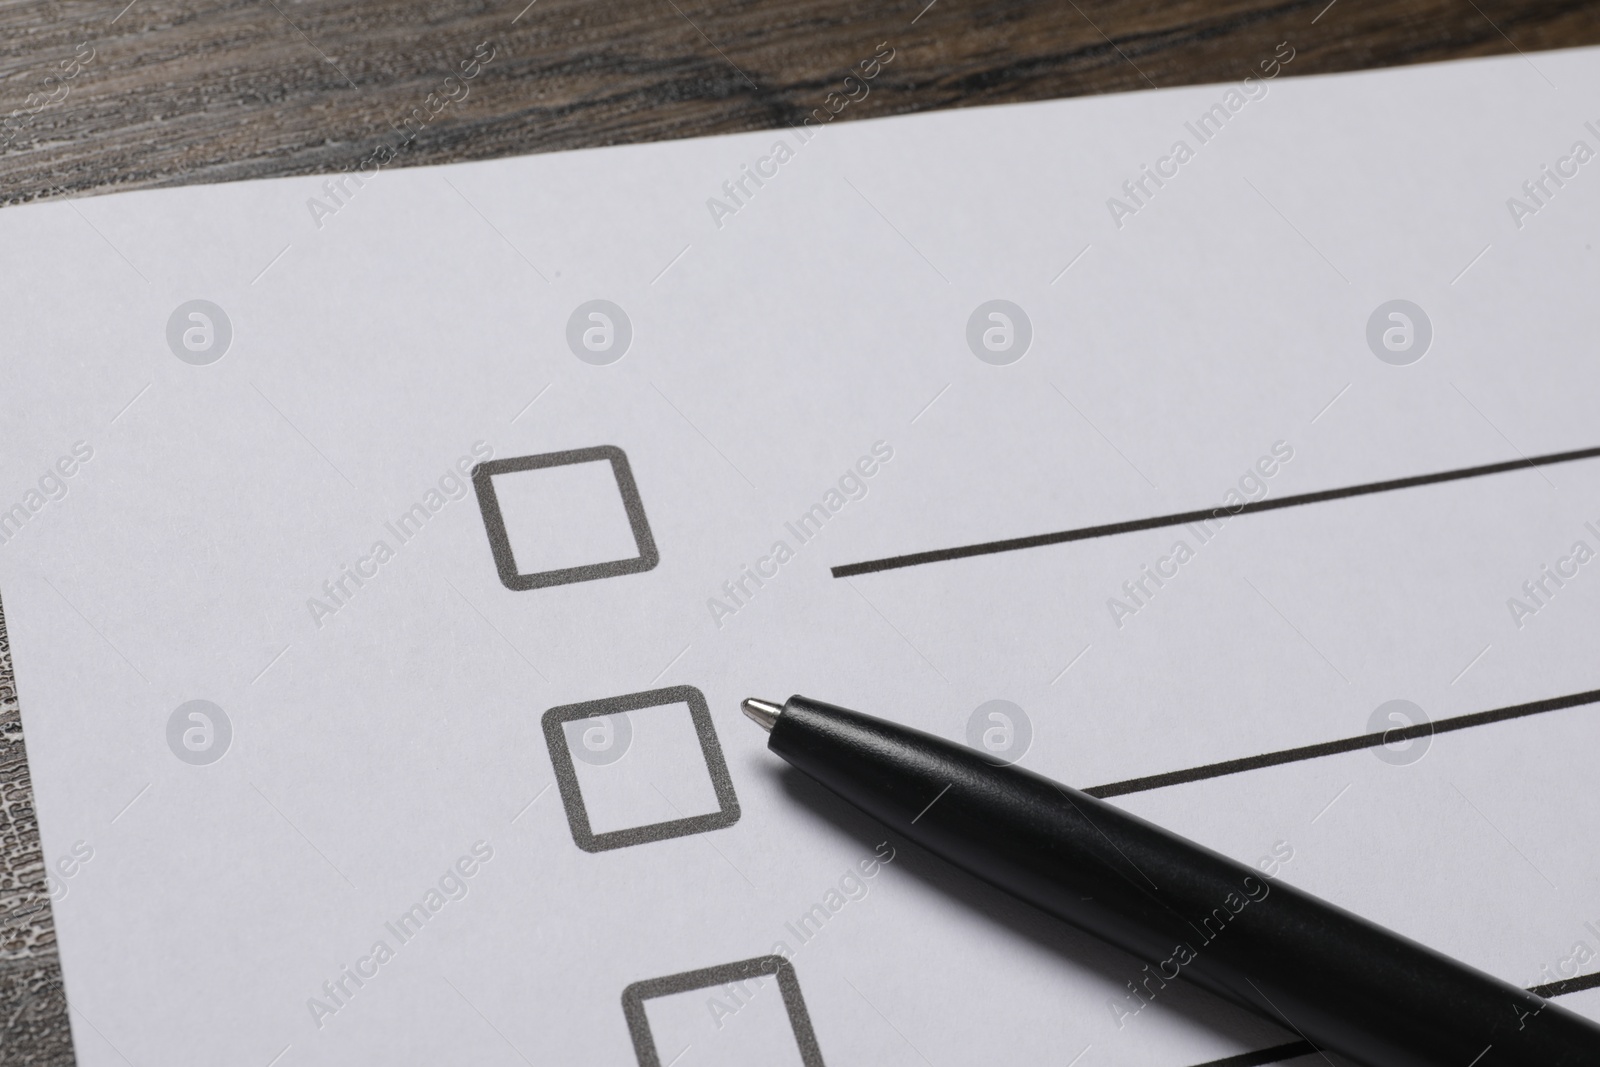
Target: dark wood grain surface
x,y
98,95
33,1006
105,95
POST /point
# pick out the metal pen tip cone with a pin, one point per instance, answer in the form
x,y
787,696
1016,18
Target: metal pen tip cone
x,y
764,713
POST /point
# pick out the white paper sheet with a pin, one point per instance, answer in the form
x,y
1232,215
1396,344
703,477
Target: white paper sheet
x,y
384,737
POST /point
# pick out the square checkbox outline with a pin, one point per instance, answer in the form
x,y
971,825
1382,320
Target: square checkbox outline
x,y
644,1043
555,737
494,522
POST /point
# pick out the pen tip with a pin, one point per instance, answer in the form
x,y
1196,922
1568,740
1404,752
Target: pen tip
x,y
764,713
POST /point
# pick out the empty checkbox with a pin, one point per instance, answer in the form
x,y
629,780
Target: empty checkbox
x,y
563,517
641,767
728,1016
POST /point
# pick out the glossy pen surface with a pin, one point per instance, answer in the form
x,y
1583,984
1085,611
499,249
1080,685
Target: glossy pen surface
x,y
1189,913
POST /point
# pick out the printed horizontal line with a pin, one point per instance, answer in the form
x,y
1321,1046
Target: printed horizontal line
x,y
1566,985
1348,744
1016,544
1296,1049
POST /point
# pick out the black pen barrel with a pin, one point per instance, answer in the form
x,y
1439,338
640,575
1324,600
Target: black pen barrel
x,y
1185,912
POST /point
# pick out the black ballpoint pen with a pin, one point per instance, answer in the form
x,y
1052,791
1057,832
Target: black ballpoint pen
x,y
1342,983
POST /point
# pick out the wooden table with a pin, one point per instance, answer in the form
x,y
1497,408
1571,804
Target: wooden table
x,y
166,92
108,94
